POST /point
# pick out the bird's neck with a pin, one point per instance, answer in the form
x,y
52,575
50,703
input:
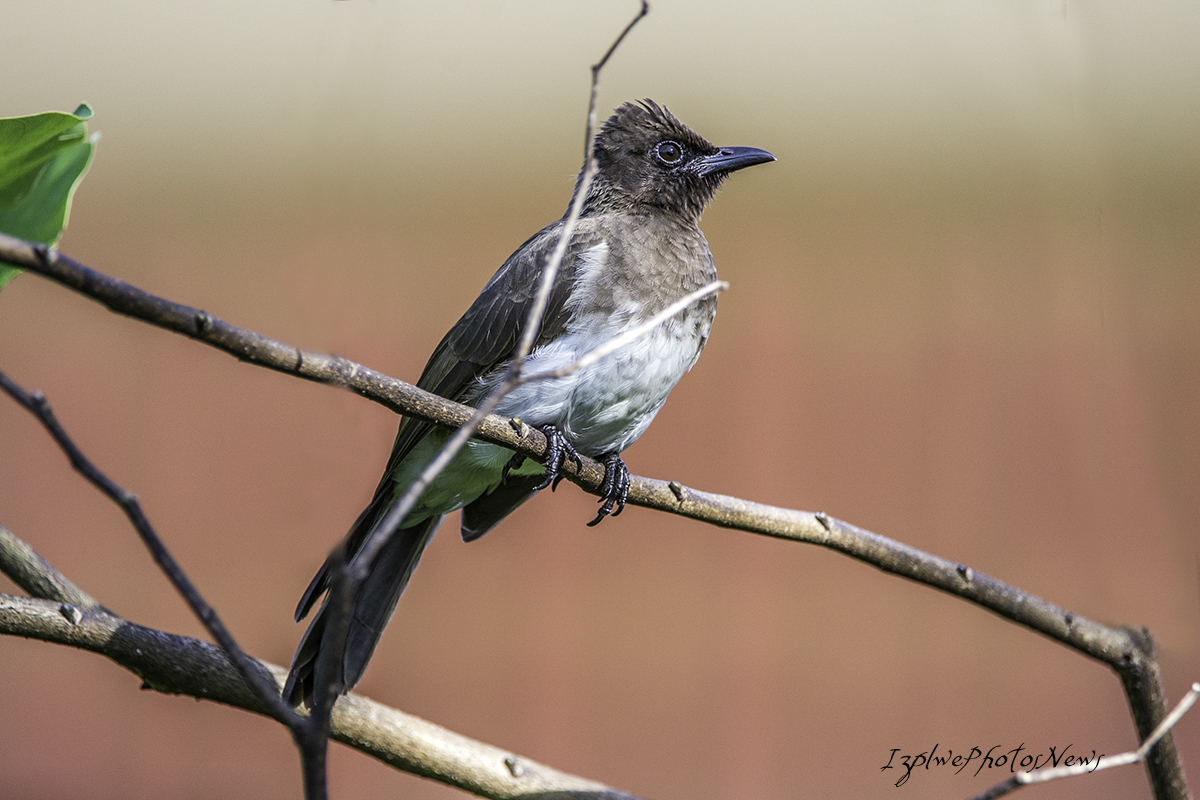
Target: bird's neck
x,y
605,199
647,259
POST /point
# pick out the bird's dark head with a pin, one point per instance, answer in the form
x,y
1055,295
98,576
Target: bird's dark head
x,y
647,159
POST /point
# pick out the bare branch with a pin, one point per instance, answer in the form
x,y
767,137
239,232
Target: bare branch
x,y
182,665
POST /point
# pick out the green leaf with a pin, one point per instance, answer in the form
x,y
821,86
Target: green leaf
x,y
42,159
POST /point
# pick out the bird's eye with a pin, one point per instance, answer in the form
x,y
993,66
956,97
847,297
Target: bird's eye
x,y
668,153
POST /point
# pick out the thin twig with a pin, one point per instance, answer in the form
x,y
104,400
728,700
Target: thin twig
x,y
599,65
1104,762
36,403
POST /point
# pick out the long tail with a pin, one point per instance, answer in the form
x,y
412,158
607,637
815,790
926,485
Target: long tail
x,y
370,608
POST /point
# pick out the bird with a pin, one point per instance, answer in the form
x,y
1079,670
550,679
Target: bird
x,y
635,249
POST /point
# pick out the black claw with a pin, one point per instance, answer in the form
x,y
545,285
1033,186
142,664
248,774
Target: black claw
x,y
558,452
614,490
516,462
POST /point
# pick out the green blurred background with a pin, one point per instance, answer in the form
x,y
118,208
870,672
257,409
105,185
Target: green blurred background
x,y
965,313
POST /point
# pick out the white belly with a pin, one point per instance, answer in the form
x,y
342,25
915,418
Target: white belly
x,y
607,405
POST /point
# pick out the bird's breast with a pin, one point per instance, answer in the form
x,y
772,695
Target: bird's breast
x,y
605,406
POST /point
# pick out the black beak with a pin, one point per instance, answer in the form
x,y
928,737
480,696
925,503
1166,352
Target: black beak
x,y
728,159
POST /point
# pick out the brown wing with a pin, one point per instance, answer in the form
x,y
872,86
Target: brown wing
x,y
486,336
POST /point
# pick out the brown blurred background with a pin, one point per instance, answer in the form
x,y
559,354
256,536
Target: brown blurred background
x,y
965,313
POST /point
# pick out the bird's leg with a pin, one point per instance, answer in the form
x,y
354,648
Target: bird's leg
x,y
558,452
615,488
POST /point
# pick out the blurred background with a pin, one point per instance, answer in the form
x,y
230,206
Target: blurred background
x,y
965,314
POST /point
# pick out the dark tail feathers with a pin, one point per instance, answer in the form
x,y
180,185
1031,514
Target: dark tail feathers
x,y
370,609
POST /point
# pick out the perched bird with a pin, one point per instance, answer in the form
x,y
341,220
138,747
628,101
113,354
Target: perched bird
x,y
635,250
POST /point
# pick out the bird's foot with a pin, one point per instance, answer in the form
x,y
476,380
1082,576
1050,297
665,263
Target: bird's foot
x,y
615,488
558,452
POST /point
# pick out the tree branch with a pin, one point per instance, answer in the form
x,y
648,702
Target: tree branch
x,y
1129,651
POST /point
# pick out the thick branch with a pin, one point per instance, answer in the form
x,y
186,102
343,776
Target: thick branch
x,y
1130,652
182,665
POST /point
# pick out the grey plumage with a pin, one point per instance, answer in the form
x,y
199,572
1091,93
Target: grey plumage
x,y
635,250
